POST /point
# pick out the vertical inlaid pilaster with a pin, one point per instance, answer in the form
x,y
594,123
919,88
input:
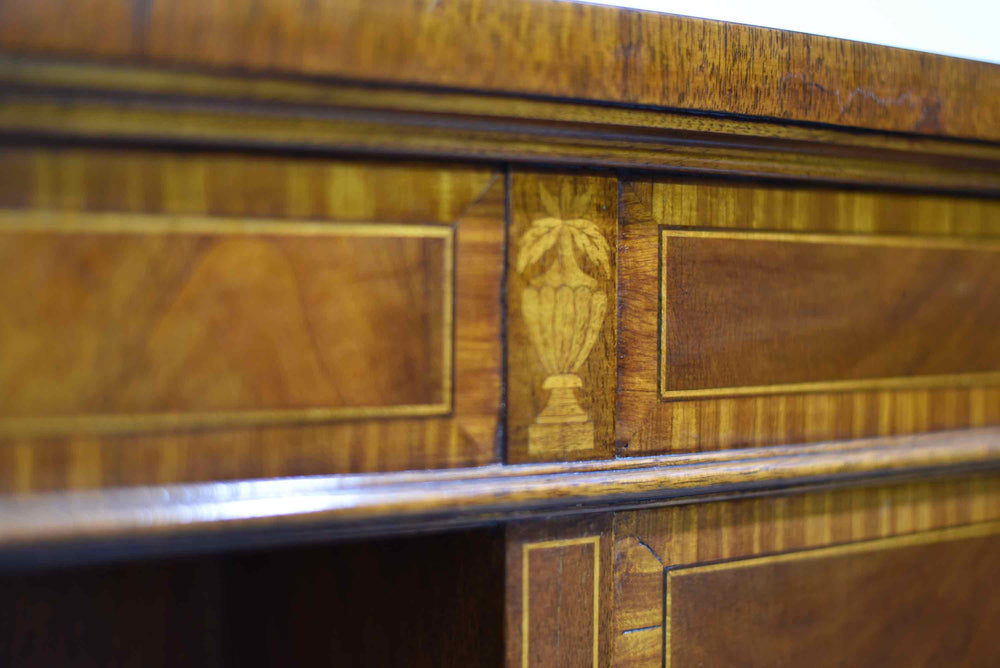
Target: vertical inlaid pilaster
x,y
561,317
558,594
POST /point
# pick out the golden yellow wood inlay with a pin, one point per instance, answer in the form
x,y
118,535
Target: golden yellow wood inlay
x,y
564,310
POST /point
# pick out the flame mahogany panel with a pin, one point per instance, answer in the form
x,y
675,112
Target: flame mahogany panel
x,y
308,316
754,315
749,313
259,322
898,550
921,600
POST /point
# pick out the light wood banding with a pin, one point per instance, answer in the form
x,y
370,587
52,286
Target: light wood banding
x,y
898,600
199,296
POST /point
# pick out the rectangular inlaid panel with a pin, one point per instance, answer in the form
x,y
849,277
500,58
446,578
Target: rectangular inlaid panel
x,y
860,521
561,286
546,595
559,593
761,312
755,315
132,322
928,599
182,316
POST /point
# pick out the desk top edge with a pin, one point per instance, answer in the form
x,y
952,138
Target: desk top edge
x,y
546,48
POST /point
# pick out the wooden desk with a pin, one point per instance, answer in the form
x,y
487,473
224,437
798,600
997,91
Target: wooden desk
x,y
465,333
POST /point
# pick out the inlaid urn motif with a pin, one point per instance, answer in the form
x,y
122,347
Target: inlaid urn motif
x,y
563,307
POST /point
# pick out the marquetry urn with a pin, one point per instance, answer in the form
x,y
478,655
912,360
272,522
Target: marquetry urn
x,y
564,309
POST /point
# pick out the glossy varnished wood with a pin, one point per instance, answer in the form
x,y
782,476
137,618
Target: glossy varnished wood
x,y
205,516
226,321
540,48
139,104
561,317
650,540
229,321
918,600
649,420
559,594
768,312
163,328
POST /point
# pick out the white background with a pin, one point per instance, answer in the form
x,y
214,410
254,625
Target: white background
x,y
963,28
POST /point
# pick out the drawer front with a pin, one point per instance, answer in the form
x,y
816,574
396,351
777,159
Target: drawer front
x,y
759,315
896,575
128,322
319,316
246,316
916,600
824,312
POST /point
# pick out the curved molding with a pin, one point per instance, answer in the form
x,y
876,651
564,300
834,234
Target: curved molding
x,y
94,102
533,47
225,514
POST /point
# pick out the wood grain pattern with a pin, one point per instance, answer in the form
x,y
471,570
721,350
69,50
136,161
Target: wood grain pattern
x,y
190,115
206,515
560,576
648,425
561,324
825,312
223,187
576,51
558,589
135,323
647,541
915,600
139,104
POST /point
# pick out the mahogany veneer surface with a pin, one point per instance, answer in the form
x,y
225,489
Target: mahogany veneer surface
x,y
750,313
895,572
223,314
926,601
181,316
754,314
536,47
202,280
559,596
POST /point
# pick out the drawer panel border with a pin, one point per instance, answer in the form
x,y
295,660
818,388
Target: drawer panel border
x,y
15,221
969,379
978,530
